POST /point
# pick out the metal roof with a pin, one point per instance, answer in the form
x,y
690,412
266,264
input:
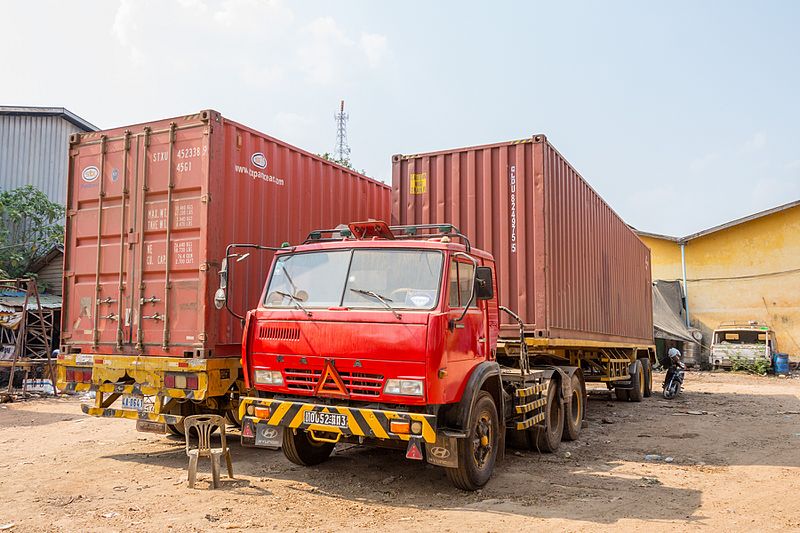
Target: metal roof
x,y
721,227
15,299
49,112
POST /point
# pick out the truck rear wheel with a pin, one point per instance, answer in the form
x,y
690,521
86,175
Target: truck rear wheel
x,y
648,377
637,389
547,438
300,449
573,414
478,452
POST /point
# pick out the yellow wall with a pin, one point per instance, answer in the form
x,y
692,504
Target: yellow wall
x,y
750,271
665,258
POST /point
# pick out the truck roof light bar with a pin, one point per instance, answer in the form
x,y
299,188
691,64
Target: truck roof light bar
x,y
378,229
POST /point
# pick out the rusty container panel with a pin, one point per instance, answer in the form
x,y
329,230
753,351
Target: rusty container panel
x,y
150,211
566,263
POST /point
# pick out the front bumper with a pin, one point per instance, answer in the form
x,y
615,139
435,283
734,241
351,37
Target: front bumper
x,y
361,422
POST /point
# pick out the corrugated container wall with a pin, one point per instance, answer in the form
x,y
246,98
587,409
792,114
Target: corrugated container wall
x,y
566,263
33,151
163,200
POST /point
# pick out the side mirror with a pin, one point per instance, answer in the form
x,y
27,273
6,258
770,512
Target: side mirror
x,y
483,283
221,296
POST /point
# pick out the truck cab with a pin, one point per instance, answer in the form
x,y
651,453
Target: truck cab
x,y
379,335
741,341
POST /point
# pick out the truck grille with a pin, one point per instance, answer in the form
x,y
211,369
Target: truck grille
x,y
279,333
305,380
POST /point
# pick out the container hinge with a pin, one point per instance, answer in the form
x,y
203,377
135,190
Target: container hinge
x,y
204,267
112,316
202,337
156,316
206,198
150,300
108,300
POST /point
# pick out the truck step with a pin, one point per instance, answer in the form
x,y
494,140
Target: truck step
x,y
528,422
531,391
528,407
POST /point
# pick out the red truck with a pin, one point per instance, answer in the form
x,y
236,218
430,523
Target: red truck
x,y
393,336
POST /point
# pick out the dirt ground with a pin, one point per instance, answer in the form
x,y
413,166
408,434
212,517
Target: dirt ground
x,y
736,467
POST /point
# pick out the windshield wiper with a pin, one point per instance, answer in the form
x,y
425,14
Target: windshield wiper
x,y
296,301
382,299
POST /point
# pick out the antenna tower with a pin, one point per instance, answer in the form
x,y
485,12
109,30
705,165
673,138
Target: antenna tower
x,y
342,150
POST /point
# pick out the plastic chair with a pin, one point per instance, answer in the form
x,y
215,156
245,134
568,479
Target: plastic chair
x,y
205,425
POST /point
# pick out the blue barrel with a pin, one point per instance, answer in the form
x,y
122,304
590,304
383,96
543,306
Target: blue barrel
x,y
780,363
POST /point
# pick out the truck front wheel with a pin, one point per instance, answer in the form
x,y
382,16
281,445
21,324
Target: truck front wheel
x,y
300,449
478,452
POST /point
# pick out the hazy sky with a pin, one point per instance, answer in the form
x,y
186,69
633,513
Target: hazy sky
x,y
682,115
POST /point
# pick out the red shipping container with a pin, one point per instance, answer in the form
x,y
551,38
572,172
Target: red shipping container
x,y
566,262
150,211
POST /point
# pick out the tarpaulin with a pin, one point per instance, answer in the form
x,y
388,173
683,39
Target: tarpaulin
x,y
667,307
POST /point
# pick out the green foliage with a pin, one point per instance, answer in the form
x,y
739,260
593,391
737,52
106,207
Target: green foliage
x,y
30,225
753,366
344,162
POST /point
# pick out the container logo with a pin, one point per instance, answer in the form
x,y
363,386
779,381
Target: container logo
x,y
90,174
259,160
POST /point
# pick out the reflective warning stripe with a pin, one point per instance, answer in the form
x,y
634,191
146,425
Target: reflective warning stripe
x,y
374,423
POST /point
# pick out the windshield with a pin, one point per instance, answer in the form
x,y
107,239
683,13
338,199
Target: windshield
x,y
745,336
380,279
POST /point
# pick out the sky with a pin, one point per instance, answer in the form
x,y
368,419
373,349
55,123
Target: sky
x,y
681,114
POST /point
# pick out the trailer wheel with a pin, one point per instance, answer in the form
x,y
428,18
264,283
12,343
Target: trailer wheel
x,y
573,414
636,392
478,452
648,377
300,449
547,438
176,429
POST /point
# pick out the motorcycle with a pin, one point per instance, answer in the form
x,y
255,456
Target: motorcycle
x,y
673,383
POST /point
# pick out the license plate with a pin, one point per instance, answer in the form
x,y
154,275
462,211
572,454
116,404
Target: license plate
x,y
325,419
136,403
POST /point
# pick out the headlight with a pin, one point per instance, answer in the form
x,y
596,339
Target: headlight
x,y
268,377
404,387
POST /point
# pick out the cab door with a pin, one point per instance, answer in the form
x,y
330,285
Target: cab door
x,y
465,340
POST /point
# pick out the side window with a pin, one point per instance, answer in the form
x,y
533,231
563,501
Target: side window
x,y
460,284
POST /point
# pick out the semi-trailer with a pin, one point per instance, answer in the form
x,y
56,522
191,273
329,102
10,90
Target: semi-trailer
x,y
151,211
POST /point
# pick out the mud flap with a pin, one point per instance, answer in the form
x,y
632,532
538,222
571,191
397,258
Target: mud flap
x,y
443,452
148,426
268,436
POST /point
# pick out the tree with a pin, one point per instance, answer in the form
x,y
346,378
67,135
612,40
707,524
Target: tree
x,y
30,226
344,162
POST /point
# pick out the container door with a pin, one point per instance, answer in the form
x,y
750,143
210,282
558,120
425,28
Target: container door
x,y
99,210
171,195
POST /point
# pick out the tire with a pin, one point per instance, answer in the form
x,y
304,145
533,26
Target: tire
x,y
623,395
547,438
648,377
576,409
478,452
636,392
301,450
176,429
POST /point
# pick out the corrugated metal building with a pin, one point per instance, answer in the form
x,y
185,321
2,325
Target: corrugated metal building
x,y
34,142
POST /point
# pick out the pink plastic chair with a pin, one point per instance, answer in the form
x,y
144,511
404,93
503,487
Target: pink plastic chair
x,y
204,426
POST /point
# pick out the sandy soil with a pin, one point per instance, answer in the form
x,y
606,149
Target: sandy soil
x,y
736,467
